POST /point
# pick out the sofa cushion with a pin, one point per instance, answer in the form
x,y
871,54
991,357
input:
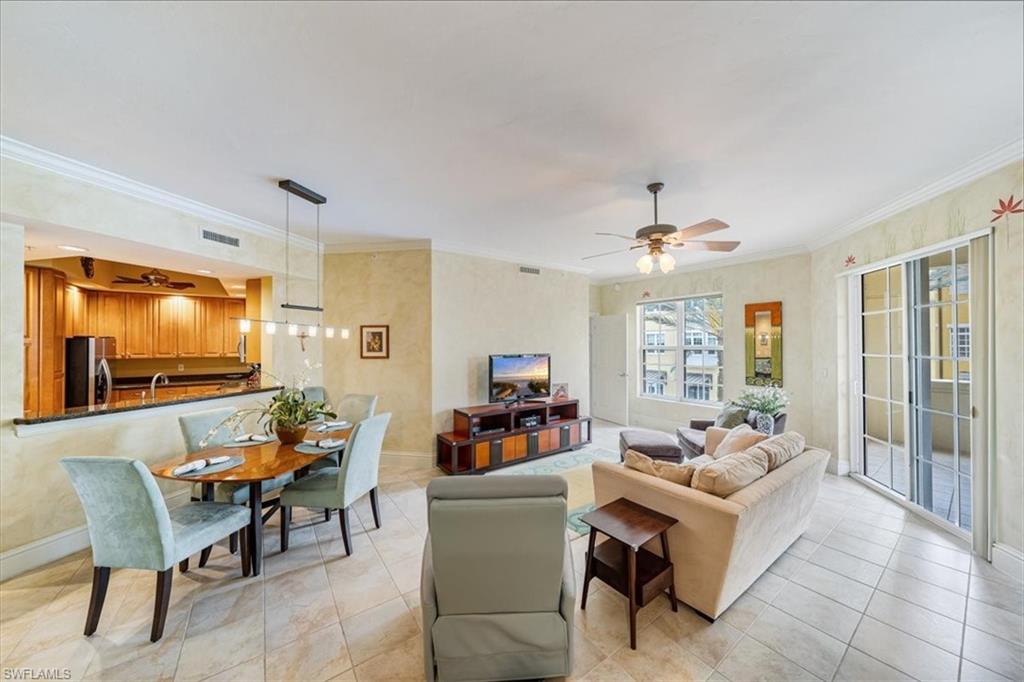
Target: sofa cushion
x,y
728,474
779,449
730,416
670,471
654,444
738,439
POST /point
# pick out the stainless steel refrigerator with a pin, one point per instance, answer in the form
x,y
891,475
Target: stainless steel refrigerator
x,y
87,379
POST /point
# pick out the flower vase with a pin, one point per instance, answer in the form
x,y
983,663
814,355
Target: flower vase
x,y
765,423
289,436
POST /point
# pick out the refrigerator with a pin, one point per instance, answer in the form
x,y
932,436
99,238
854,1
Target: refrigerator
x,y
87,379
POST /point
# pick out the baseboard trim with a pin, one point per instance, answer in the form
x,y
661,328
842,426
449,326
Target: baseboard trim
x,y
40,552
1008,560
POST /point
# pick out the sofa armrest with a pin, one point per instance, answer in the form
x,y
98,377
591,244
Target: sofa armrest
x,y
567,601
428,608
701,424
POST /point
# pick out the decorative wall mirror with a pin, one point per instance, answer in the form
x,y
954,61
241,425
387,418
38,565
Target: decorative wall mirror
x,y
763,322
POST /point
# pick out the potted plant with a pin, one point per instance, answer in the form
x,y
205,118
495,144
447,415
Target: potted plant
x,y
764,403
286,415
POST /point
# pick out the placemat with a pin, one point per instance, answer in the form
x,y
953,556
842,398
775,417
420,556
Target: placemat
x,y
307,449
215,468
249,443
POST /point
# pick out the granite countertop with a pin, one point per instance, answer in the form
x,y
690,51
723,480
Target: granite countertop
x,y
188,380
133,405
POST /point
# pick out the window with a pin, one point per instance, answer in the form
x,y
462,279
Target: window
x,y
681,349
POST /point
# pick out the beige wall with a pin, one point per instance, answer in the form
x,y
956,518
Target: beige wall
x,y
390,288
483,306
783,279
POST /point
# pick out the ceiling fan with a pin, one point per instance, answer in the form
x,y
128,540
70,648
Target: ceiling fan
x,y
154,278
657,236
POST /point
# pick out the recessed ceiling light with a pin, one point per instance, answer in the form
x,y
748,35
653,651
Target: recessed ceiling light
x,y
69,247
203,271
237,286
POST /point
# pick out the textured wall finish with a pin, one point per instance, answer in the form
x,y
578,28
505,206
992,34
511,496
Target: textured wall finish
x,y
390,288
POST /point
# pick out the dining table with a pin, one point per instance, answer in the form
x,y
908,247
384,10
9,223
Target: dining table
x,y
260,462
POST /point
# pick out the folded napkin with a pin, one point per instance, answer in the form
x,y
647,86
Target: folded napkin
x,y
198,464
330,426
325,443
251,437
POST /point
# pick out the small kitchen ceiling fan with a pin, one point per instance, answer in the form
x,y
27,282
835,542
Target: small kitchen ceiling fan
x,y
657,236
153,278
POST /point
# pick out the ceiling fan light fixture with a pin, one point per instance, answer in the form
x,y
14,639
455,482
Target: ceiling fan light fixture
x,y
667,263
645,264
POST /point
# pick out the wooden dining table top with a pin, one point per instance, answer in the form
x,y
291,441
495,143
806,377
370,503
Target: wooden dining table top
x,y
262,461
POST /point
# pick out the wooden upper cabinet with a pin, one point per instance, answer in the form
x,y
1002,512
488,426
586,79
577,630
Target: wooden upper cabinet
x,y
139,329
110,318
189,326
165,326
233,309
212,327
31,341
76,312
44,340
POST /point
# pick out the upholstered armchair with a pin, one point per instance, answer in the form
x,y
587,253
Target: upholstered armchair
x,y
339,487
195,427
497,588
131,527
692,439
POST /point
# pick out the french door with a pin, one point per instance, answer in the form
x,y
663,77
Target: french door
x,y
911,334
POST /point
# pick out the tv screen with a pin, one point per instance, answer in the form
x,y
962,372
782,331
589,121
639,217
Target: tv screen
x,y
514,377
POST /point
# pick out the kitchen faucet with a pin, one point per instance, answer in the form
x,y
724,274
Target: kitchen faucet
x,y
152,384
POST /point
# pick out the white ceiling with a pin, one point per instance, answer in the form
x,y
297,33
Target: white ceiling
x,y
523,128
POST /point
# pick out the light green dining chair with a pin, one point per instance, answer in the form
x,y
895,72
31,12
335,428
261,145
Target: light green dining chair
x,y
353,408
131,527
339,487
197,426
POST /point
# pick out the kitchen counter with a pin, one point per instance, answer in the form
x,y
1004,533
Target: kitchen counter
x,y
133,405
127,383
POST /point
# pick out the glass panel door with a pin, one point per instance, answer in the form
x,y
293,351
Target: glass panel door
x,y
940,358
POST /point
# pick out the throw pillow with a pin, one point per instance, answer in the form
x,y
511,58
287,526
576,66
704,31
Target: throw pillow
x,y
676,473
725,476
779,449
730,416
737,440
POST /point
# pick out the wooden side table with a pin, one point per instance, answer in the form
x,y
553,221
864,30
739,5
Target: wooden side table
x,y
622,563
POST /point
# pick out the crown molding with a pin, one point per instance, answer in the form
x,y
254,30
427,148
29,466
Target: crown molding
x,y
505,256
685,268
379,247
16,150
979,167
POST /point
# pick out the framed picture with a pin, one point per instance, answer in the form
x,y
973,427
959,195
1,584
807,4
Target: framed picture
x,y
560,391
763,340
374,341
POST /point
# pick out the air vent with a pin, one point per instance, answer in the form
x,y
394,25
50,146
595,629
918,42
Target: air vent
x,y
524,270
212,236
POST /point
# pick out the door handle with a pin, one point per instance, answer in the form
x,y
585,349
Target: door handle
x,y
623,374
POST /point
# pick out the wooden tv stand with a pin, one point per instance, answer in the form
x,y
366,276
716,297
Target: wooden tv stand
x,y
487,437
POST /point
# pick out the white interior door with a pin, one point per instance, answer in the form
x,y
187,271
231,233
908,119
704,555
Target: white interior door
x,y
609,379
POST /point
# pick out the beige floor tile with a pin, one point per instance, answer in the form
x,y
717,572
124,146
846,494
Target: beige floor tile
x,y
802,548
606,620
922,530
744,611
376,630
585,656
847,565
994,653
1003,595
834,586
709,642
302,601
932,597
657,657
930,572
313,657
812,649
858,547
857,666
951,558
360,582
984,569
751,661
930,626
412,600
406,573
906,653
879,536
995,621
247,671
607,671
127,649
221,648
825,614
72,656
238,600
875,519
972,672
401,663
396,541
767,586
786,565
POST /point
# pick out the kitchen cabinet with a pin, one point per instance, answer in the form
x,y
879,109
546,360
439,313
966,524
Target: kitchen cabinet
x,y
138,326
212,326
233,309
189,326
76,312
165,326
110,318
44,340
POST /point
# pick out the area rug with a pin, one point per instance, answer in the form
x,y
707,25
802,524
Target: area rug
x,y
574,467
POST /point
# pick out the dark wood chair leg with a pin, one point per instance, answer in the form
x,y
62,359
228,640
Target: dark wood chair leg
x,y
100,580
589,572
204,556
327,514
286,522
345,533
183,565
233,543
375,507
163,599
243,552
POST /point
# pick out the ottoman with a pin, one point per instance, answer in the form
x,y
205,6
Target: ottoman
x,y
654,444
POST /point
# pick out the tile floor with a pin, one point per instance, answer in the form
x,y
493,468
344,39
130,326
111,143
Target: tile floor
x,y
868,593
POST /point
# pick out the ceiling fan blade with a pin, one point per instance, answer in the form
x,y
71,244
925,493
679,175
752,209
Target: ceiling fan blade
x,y
607,253
180,285
706,246
121,279
700,229
620,236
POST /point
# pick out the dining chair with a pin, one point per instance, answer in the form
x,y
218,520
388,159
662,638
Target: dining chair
x,y
197,426
339,487
353,408
131,527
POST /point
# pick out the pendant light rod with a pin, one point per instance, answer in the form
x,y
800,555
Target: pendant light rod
x,y
317,199
303,192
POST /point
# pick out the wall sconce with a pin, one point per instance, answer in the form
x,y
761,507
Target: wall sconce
x,y
270,328
244,326
312,331
344,333
329,332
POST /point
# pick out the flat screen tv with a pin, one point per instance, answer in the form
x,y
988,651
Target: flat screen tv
x,y
518,377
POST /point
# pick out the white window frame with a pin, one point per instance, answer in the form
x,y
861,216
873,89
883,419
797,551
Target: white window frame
x,y
681,348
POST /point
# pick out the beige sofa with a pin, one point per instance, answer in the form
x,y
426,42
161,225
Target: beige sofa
x,y
722,545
